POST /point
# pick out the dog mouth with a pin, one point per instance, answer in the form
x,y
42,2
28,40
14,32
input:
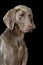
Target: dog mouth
x,y
28,29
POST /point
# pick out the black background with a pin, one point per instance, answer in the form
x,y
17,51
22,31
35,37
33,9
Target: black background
x,y
33,40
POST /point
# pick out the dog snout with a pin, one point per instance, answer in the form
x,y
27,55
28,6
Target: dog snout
x,y
33,25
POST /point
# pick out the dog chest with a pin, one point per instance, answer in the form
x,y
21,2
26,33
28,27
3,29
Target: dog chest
x,y
12,52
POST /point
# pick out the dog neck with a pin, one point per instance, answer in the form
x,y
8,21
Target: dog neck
x,y
14,34
18,33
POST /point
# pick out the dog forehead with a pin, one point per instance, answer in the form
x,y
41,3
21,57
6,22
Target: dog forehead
x,y
22,7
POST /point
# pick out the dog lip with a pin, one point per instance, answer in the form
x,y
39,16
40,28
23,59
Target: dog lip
x,y
28,29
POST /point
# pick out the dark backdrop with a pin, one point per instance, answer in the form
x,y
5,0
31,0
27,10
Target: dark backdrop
x,y
33,40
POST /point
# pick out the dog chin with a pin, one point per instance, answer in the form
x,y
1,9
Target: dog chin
x,y
27,30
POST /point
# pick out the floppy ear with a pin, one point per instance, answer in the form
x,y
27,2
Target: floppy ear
x,y
9,19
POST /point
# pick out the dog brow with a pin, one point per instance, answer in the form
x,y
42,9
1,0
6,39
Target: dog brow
x,y
17,10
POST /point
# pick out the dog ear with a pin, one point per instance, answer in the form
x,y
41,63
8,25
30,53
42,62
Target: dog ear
x,y
9,19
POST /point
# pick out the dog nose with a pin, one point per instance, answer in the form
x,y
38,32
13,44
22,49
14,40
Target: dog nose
x,y
31,26
34,26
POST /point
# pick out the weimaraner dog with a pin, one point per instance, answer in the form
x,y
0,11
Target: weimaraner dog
x,y
13,50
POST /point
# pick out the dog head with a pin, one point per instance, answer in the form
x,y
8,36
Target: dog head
x,y
22,16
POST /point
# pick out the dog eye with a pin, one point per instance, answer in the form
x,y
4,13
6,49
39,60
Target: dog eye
x,y
22,15
29,15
